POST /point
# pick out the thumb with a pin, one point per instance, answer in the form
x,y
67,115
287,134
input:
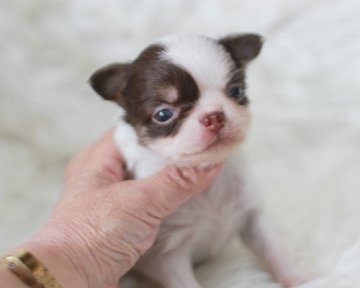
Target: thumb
x,y
166,190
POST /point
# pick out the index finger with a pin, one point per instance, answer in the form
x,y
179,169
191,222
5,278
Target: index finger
x,y
95,154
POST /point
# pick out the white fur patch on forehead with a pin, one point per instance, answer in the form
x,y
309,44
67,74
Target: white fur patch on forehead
x,y
202,57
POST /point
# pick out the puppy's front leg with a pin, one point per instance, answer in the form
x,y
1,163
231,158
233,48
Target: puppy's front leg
x,y
256,235
172,269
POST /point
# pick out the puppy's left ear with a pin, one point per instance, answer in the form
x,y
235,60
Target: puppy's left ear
x,y
242,47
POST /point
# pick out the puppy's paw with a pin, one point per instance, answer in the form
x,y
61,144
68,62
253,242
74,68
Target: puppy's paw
x,y
292,280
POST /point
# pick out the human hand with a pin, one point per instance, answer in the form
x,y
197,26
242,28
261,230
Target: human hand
x,y
103,224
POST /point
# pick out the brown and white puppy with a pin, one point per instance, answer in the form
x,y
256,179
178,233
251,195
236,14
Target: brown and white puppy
x,y
183,101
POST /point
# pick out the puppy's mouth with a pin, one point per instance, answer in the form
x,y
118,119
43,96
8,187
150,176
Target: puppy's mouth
x,y
221,140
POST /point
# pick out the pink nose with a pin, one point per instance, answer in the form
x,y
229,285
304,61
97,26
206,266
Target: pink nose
x,y
213,121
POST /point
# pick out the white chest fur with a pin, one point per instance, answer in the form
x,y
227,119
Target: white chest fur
x,y
216,214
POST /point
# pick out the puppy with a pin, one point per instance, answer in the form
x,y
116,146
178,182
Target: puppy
x,y
183,101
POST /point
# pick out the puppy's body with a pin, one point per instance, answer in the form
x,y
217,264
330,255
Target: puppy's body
x,y
198,230
184,103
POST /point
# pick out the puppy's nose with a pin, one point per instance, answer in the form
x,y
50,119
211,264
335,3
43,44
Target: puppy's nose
x,y
213,121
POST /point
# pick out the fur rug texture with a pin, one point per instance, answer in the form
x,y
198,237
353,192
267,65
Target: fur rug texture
x,y
303,149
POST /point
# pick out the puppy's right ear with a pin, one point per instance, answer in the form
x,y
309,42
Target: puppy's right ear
x,y
243,48
110,81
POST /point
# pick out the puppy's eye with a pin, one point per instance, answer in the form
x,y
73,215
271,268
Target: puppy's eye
x,y
234,92
238,95
164,115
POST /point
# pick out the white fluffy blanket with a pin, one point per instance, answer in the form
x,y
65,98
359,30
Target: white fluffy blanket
x,y
304,148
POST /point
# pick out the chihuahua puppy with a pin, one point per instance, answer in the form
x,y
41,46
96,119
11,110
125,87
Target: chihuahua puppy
x,y
183,102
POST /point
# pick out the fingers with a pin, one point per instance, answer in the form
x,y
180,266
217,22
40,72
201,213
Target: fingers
x,y
106,146
165,191
102,160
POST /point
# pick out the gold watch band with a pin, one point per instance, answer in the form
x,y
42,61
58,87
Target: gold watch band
x,y
30,270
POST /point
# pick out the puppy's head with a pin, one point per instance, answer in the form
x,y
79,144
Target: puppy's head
x,y
185,95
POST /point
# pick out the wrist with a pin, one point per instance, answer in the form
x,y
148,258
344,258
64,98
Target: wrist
x,y
56,256
8,279
76,259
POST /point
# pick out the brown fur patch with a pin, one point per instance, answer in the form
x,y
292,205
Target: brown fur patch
x,y
238,80
149,78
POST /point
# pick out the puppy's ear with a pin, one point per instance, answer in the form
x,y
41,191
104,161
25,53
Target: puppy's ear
x,y
110,81
242,47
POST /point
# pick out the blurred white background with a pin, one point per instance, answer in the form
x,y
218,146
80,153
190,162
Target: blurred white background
x,y
305,92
